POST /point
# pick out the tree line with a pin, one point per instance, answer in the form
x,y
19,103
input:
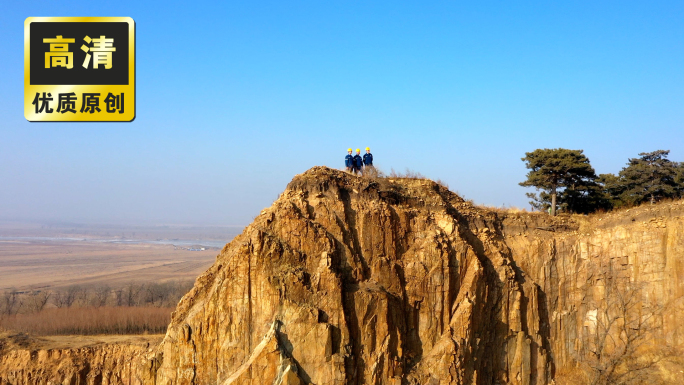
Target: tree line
x,y
99,309
566,181
134,294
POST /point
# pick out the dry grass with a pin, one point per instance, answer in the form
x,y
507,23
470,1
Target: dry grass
x,y
504,209
407,174
569,375
646,206
91,320
410,174
374,172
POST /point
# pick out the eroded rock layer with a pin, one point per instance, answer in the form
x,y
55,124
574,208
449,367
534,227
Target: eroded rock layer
x,y
106,364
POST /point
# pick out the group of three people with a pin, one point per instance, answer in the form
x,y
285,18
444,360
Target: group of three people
x,y
355,163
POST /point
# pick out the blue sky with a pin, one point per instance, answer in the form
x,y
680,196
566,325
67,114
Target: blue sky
x,y
234,99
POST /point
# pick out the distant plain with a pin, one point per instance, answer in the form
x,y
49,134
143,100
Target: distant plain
x,y
54,256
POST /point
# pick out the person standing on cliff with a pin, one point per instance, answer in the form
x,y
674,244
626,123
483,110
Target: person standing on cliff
x,y
349,161
358,162
368,159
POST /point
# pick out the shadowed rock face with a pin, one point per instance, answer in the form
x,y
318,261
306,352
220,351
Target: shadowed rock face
x,y
348,280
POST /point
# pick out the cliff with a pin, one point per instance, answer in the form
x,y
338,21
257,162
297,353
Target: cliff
x,y
74,360
348,280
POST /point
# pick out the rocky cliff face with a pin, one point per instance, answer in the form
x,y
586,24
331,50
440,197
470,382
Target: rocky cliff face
x,y
348,280
579,273
362,282
108,364
356,281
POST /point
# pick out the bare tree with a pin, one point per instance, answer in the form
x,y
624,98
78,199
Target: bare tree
x,y
66,298
81,295
182,288
58,299
10,302
151,293
119,297
37,300
132,292
101,295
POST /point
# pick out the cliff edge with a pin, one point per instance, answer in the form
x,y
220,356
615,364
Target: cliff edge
x,y
349,280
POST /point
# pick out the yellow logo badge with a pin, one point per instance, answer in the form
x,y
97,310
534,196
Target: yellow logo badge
x,y
79,69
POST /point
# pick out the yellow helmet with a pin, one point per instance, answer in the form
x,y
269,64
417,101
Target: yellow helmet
x,y
349,150
367,148
358,150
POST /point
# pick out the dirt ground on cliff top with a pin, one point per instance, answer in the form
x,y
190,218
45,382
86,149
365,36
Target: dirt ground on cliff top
x,y
623,216
645,212
11,341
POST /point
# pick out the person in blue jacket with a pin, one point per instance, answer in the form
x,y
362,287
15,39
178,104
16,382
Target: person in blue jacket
x,y
358,162
368,158
349,161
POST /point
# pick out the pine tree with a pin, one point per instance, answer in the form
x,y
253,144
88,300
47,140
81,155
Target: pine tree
x,y
649,178
613,187
567,170
679,179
